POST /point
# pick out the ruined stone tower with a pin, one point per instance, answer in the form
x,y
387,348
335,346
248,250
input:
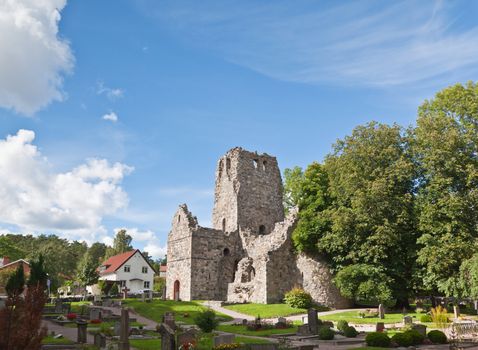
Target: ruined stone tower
x,y
247,256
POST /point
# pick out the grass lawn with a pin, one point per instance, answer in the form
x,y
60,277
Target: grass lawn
x,y
239,329
76,306
266,310
205,343
98,325
353,317
61,341
157,308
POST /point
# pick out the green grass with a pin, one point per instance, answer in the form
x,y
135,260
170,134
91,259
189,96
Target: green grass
x,y
77,305
98,325
245,340
239,329
61,341
266,310
157,308
353,317
145,344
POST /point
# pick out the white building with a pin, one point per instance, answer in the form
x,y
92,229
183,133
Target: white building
x,y
130,270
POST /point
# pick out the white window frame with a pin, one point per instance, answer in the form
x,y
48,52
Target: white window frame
x,y
144,269
127,268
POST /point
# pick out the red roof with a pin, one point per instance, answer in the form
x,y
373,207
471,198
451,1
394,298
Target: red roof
x,y
163,268
115,262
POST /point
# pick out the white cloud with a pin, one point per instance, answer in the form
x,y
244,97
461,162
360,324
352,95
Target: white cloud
x,y
155,250
111,93
107,240
112,116
36,198
33,57
369,43
137,234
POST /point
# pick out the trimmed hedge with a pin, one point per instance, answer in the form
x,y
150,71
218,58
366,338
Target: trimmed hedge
x,y
350,332
378,339
326,333
298,298
416,336
437,337
341,325
402,339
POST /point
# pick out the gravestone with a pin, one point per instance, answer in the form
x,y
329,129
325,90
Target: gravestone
x,y
313,321
100,340
81,331
168,318
282,320
224,339
168,341
163,293
143,296
244,322
124,330
108,303
117,328
420,328
95,313
58,306
150,295
303,329
188,337
125,292
270,346
407,320
381,312
380,327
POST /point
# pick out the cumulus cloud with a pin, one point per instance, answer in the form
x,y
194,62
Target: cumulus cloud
x,y
111,93
36,198
112,117
155,250
33,57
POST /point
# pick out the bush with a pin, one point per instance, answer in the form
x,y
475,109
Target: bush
x,y
95,321
341,325
298,298
329,324
206,320
71,316
416,337
326,333
402,339
439,316
437,337
378,339
426,318
350,332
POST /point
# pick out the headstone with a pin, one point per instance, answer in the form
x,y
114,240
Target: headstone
x,y
168,342
95,313
313,321
125,292
223,339
58,306
407,320
380,327
381,312
244,322
303,329
420,328
81,331
475,303
117,328
188,337
282,320
100,340
58,336
124,330
150,295
143,296
163,293
168,318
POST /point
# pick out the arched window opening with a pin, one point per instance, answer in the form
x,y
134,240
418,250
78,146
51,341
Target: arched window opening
x,y
262,230
248,275
224,225
264,165
255,163
226,252
220,168
179,219
228,165
176,295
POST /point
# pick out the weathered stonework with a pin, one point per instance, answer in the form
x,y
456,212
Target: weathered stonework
x,y
247,256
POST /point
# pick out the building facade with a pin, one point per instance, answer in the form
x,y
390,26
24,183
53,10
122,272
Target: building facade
x,y
247,256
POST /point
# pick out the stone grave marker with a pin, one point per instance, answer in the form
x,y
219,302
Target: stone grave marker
x,y
407,320
168,318
313,321
117,328
95,313
143,296
188,337
124,330
224,339
303,329
150,295
100,340
81,331
58,306
163,293
244,322
420,328
2,303
381,312
380,327
168,341
125,292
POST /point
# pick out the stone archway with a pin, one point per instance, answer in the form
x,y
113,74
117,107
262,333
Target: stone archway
x,y
176,290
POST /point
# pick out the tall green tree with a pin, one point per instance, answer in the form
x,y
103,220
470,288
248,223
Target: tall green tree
x,y
121,244
87,273
446,148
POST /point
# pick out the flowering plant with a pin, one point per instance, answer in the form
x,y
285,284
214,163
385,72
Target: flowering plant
x,y
71,316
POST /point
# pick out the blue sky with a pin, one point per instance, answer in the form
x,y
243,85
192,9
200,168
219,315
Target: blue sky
x,y
127,105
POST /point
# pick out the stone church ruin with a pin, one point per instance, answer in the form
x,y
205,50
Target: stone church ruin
x,y
248,255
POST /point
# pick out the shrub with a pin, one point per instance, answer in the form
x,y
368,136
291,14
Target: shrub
x,y
95,321
439,316
341,325
206,320
416,337
106,330
325,333
426,318
378,339
71,316
298,298
350,332
437,337
402,339
329,324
